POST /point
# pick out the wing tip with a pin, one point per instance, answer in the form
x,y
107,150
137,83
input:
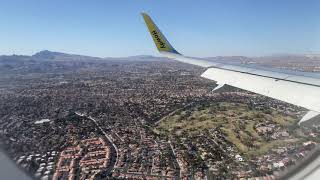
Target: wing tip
x,y
144,14
159,39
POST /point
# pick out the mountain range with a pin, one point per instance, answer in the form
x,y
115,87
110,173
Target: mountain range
x,y
59,56
46,55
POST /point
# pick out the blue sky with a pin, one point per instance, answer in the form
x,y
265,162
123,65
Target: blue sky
x,y
109,28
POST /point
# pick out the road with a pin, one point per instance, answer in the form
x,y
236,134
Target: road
x,y
109,139
113,147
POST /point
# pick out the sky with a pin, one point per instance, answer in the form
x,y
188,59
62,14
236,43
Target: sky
x,y
203,28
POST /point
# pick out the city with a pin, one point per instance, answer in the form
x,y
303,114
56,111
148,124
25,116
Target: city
x,y
141,118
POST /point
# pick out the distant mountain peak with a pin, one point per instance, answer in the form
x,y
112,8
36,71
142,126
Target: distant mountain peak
x,y
44,51
46,54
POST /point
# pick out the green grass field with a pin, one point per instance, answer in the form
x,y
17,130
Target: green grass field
x,y
237,121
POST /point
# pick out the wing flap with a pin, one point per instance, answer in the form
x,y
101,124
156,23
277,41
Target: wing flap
x,y
309,115
291,92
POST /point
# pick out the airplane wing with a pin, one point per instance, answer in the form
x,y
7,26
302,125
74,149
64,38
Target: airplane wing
x,y
301,89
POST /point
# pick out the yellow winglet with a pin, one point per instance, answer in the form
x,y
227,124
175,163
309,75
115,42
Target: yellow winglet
x,y
159,39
